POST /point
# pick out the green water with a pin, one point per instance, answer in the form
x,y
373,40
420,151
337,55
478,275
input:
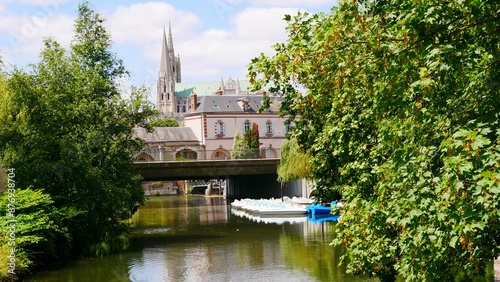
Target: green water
x,y
200,239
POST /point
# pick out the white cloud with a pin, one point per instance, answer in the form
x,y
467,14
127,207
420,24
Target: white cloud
x,y
203,55
215,51
143,23
137,30
25,33
288,3
262,23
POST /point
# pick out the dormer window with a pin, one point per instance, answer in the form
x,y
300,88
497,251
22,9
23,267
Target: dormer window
x,y
246,104
216,107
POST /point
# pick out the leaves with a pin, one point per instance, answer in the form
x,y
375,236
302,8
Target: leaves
x,y
164,122
400,114
66,128
294,164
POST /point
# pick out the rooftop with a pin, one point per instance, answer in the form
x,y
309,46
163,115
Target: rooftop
x,y
166,134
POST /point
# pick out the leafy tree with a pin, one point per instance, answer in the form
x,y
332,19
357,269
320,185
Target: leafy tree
x,y
251,138
164,122
246,147
294,164
240,147
38,229
65,128
400,116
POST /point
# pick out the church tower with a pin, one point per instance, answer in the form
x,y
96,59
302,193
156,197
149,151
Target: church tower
x,y
169,74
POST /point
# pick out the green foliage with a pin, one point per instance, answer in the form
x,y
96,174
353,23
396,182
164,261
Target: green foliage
x,y
65,127
164,122
251,139
37,230
240,148
246,147
400,116
294,164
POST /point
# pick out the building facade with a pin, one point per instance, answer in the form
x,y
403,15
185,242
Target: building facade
x,y
216,111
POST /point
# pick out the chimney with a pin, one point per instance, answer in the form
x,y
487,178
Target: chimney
x,y
194,101
219,91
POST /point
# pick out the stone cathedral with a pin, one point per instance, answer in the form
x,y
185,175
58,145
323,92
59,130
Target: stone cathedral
x,y
168,75
174,97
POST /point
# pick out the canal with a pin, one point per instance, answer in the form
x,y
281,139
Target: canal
x,y
194,238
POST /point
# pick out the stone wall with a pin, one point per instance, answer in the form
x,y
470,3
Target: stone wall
x,y
162,188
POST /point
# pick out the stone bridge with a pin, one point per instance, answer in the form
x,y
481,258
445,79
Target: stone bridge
x,y
205,169
246,178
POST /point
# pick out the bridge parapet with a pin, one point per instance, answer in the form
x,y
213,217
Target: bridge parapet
x,y
186,154
205,169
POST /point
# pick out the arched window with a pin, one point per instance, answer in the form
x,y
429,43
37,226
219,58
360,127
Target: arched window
x,y
220,129
247,126
269,128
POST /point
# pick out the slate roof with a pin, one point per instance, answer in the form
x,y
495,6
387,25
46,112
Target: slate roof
x,y
166,134
232,104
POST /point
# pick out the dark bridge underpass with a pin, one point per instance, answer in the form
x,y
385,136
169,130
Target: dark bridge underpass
x,y
253,178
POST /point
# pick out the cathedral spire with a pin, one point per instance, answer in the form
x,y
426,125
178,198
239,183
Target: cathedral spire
x,y
165,63
170,41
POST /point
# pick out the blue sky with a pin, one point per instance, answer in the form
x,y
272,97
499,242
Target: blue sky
x,y
212,37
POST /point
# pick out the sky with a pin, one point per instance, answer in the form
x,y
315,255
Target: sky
x,y
213,38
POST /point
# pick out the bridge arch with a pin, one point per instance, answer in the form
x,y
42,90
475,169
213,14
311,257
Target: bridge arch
x,y
144,157
270,152
186,154
220,154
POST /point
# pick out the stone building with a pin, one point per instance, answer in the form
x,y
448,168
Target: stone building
x,y
216,110
169,144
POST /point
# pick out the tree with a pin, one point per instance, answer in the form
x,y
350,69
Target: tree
x,y
164,122
251,138
240,147
246,147
65,129
294,164
401,117
37,228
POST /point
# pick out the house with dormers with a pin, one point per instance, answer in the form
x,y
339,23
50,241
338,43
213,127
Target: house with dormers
x,y
215,120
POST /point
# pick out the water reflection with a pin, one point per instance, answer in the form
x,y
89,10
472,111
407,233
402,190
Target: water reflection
x,y
199,239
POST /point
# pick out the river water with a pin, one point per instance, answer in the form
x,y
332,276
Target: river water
x,y
194,238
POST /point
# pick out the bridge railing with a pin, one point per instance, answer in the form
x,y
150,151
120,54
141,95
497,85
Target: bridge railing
x,y
160,154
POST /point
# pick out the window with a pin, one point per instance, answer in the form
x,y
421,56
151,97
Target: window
x,y
269,127
216,107
247,126
220,129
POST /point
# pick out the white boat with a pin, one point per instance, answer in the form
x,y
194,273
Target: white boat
x,y
272,207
